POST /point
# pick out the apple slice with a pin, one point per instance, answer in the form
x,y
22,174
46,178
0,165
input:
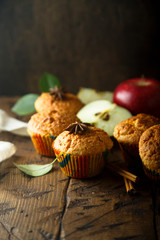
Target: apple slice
x,y
87,95
103,114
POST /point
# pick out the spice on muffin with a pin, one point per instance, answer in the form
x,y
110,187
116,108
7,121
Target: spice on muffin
x,y
77,127
58,99
58,93
83,154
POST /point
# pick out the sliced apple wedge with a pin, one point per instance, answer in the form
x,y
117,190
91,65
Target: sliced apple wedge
x,y
87,95
103,114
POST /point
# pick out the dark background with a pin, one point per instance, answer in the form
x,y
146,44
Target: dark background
x,y
89,43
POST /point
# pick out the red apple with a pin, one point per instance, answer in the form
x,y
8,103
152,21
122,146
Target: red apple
x,y
139,95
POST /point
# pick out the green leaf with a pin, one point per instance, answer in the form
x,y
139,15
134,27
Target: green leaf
x,y
25,105
48,81
35,170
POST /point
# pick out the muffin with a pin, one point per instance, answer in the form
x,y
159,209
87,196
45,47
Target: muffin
x,y
59,100
149,151
81,150
128,133
44,127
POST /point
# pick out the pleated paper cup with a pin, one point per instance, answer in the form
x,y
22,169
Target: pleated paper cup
x,y
131,157
42,144
151,174
81,166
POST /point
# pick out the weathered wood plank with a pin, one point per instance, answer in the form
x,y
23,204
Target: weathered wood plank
x,y
101,209
30,208
156,208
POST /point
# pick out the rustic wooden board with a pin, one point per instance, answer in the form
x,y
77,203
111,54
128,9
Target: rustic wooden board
x,y
57,207
156,209
99,208
30,208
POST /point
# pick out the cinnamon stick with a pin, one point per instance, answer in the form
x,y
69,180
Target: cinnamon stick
x,y
129,186
122,172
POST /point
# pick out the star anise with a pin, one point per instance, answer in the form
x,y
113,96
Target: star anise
x,y
77,127
58,93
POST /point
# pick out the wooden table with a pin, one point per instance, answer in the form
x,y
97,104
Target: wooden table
x,y
57,207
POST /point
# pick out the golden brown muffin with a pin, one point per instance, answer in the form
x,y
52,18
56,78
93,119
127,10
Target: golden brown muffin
x,y
43,128
128,133
59,100
149,151
82,153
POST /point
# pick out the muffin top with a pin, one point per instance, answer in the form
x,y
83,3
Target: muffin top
x,y
58,100
130,130
52,123
91,141
149,148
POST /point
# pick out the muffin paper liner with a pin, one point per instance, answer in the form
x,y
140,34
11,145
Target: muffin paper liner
x,y
130,155
136,164
81,166
43,144
153,175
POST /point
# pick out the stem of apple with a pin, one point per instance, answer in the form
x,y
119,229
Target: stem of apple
x,y
142,82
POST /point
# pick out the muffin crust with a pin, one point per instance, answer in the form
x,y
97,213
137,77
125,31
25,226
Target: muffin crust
x,y
149,148
52,123
92,141
70,103
130,130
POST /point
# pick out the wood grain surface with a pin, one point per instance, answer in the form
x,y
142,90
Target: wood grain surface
x,y
57,207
